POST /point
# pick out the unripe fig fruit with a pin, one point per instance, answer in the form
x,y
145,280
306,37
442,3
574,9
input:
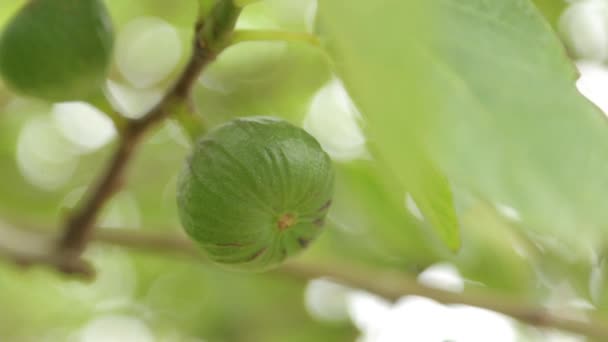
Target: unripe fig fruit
x,y
254,192
57,50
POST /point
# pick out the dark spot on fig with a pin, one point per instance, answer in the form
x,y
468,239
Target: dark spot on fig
x,y
257,254
303,242
286,220
319,222
325,206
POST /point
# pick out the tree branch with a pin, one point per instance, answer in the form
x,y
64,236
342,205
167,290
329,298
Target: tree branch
x,y
387,284
206,45
391,286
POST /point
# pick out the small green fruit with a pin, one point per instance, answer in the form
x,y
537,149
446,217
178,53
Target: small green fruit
x,y
57,50
254,192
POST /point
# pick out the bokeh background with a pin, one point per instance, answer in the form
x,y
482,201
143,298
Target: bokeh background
x,y
50,153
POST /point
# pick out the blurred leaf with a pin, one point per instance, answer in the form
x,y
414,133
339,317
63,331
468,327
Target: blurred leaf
x,y
370,54
551,9
511,121
494,253
488,87
369,206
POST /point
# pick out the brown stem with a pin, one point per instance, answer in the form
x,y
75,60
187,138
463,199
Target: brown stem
x,y
79,226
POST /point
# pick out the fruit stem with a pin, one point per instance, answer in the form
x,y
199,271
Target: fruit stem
x,y
240,36
190,121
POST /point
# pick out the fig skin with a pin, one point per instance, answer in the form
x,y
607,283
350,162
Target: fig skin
x,y
57,50
255,191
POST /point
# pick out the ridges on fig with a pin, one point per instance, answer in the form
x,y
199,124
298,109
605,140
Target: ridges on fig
x,y
57,50
255,191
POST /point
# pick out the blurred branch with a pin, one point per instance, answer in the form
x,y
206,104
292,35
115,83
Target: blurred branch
x,y
387,284
209,37
28,248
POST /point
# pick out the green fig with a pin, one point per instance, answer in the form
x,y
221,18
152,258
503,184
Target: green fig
x,y
255,191
57,50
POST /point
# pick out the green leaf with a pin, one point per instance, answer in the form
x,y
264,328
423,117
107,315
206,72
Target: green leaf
x,y
513,128
369,43
486,89
366,203
551,9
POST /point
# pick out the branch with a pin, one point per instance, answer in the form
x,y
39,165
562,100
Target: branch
x,y
387,284
207,43
29,248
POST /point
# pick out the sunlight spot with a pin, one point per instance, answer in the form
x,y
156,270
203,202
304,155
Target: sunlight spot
x,y
593,82
420,319
45,158
584,28
333,120
412,207
416,319
84,125
367,310
326,300
114,328
508,212
471,324
147,50
133,103
442,276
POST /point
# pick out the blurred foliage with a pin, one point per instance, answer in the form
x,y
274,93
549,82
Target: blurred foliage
x,y
493,103
176,300
468,107
551,9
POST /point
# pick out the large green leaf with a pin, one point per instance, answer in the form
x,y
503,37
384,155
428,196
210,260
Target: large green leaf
x,y
513,127
371,43
490,89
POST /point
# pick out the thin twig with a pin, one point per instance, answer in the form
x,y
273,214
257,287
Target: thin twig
x,y
79,226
